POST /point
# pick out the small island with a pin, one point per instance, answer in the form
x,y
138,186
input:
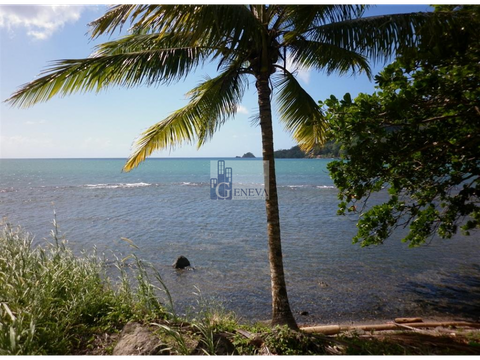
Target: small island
x,y
247,155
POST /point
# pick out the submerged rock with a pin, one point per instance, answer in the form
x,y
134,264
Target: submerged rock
x,y
137,339
323,284
181,263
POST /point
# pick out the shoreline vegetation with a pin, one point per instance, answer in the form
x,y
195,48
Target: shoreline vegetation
x,y
54,302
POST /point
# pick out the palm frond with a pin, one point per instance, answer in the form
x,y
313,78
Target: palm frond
x,y
212,24
301,18
328,57
300,114
146,41
380,37
218,100
128,44
211,104
220,23
117,15
176,129
149,66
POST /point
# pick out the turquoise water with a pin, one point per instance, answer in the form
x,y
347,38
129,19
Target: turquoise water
x,y
165,208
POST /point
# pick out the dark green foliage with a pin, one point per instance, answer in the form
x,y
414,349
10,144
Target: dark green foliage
x,y
331,149
417,137
455,5
283,341
293,153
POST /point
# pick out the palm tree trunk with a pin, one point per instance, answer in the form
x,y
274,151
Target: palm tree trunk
x,y
281,312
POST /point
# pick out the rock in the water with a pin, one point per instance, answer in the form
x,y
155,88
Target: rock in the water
x,y
137,339
181,263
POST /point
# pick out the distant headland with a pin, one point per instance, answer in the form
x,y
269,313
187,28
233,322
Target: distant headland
x,y
329,150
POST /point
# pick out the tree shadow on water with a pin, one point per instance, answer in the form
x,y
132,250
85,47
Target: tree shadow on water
x,y
448,294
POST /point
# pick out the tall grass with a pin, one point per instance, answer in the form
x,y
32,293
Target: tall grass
x,y
50,298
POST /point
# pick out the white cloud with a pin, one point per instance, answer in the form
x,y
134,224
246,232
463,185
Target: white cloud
x,y
39,122
300,72
242,110
21,141
40,21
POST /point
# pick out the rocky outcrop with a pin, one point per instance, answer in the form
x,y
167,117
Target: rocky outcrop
x,y
137,339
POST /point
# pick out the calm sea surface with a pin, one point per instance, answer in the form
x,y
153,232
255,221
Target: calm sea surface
x,y
164,206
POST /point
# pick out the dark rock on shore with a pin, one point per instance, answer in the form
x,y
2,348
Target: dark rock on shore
x,y
181,263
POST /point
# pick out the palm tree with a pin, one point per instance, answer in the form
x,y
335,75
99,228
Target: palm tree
x,y
168,42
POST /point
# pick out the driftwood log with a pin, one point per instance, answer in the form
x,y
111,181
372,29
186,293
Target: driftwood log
x,y
408,320
336,329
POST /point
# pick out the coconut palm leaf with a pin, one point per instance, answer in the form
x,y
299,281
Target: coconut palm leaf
x,y
137,16
302,18
328,57
150,67
220,23
211,104
143,41
379,37
301,115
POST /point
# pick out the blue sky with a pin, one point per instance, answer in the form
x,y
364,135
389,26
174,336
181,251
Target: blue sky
x,y
106,124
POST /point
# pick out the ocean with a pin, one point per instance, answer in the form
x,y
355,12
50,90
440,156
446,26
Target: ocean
x,y
164,207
